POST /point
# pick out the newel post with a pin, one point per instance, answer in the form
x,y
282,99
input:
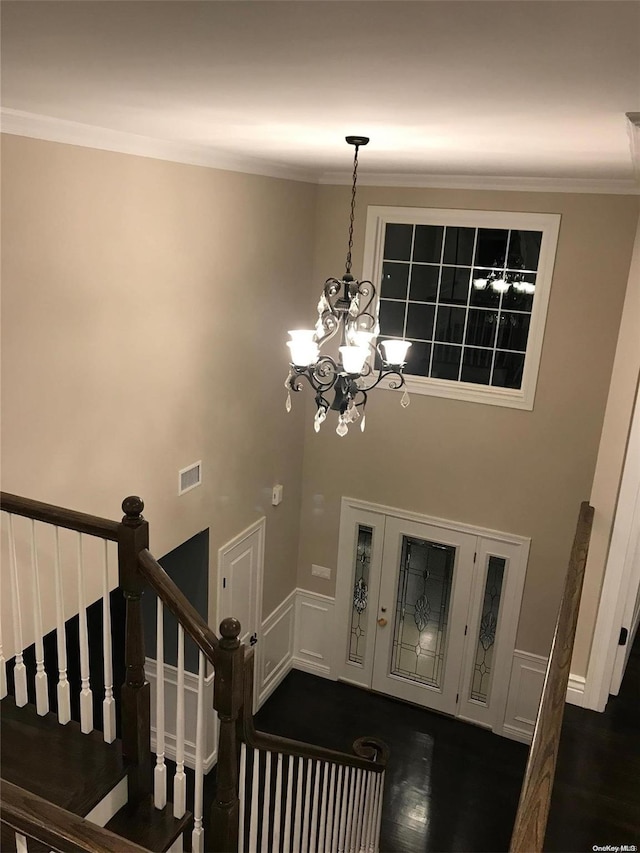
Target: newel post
x,y
227,701
133,537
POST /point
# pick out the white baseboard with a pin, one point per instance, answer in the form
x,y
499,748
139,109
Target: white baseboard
x,y
275,649
315,636
575,690
190,712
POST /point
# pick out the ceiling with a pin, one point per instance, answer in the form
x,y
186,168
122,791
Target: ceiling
x,y
532,90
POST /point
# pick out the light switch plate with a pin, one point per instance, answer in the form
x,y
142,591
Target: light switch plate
x,y
321,571
276,495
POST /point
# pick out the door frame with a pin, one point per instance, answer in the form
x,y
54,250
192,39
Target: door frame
x,y
223,593
354,511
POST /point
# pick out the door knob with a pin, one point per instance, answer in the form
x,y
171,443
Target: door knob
x,y
382,622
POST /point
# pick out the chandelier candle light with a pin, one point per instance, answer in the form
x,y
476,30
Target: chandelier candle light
x,y
345,306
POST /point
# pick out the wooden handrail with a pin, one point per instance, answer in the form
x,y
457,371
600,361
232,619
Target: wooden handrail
x,y
55,827
175,601
59,516
535,797
369,753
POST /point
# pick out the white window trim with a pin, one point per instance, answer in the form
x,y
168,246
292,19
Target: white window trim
x,y
548,223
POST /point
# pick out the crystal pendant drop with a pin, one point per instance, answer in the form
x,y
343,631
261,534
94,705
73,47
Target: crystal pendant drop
x,y
354,308
287,404
321,414
342,428
362,423
405,399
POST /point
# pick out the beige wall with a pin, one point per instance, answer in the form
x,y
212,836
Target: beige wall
x,y
144,308
516,471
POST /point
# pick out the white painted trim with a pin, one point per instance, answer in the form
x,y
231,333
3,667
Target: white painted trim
x,y
20,123
109,805
314,647
617,577
258,527
485,182
382,509
525,689
51,129
269,681
191,697
575,690
548,223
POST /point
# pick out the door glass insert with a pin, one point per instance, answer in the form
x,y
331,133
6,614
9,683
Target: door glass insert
x,y
422,611
357,639
481,682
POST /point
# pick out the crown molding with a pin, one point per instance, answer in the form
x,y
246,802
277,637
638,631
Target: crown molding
x,y
19,123
486,182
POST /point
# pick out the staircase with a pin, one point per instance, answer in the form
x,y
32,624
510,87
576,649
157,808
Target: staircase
x,y
77,767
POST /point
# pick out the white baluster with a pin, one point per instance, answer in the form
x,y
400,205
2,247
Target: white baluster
x,y
313,838
376,845
86,696
371,826
20,671
323,809
63,688
266,799
277,811
287,846
21,843
364,812
197,835
332,808
160,770
180,779
307,806
242,796
109,703
297,819
41,684
352,814
345,789
253,825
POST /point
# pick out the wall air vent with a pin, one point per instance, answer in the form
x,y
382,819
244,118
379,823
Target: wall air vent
x,y
189,477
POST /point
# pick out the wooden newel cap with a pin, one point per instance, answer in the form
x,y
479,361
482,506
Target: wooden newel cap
x,y
230,628
132,507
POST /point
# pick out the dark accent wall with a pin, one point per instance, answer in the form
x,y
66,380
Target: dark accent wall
x,y
188,567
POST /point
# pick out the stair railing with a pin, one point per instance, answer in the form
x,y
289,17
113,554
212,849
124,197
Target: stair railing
x,y
40,543
535,797
342,793
307,798
31,817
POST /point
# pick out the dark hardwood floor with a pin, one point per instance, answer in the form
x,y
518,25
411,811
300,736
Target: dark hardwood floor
x,y
596,795
452,786
449,785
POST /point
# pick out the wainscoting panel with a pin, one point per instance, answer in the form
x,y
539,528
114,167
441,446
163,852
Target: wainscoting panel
x,y
315,635
525,690
275,647
190,711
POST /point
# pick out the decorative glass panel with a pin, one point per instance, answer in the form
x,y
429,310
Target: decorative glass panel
x,y
422,611
481,680
362,567
478,283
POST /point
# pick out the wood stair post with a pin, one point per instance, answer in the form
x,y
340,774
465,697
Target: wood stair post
x,y
133,537
227,701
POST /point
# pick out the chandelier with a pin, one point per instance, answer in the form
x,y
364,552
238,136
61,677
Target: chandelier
x,y
348,307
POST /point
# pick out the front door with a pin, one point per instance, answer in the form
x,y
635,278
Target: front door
x,y
421,614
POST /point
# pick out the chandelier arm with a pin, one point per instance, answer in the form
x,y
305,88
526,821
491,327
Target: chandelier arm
x,y
367,288
383,374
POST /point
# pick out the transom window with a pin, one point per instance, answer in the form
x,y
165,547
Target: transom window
x,y
470,290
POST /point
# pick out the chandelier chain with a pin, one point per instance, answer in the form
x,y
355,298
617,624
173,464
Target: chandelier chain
x,y
353,209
